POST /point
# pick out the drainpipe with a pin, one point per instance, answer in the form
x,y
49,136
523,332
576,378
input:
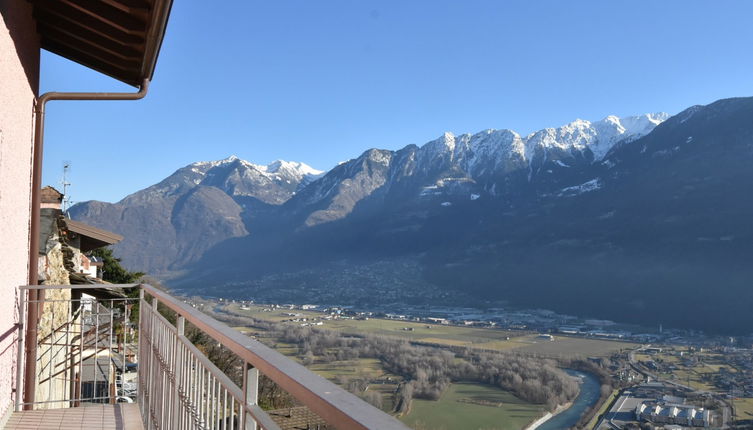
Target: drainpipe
x,y
35,296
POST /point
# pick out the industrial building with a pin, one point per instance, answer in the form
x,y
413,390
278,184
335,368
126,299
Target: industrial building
x,y
672,413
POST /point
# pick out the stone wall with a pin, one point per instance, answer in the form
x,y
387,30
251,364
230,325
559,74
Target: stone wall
x,y
53,352
53,355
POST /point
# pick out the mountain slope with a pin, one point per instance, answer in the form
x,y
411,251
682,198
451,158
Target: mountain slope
x,y
171,224
649,229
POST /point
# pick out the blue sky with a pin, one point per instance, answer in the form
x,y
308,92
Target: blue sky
x,y
322,81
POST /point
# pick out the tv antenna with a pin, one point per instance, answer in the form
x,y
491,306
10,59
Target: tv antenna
x,y
64,182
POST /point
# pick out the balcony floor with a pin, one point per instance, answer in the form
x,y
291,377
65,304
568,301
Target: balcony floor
x,y
123,416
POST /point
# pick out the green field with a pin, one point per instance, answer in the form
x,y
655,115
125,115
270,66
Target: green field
x,y
575,347
472,406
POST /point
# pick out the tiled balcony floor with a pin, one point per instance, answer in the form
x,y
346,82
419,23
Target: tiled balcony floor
x,y
124,416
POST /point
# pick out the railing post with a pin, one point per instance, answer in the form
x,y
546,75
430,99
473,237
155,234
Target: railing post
x,y
152,362
113,391
250,394
140,358
178,363
21,339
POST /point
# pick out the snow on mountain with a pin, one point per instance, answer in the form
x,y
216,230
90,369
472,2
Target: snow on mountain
x,y
277,170
502,151
598,137
489,149
273,183
592,185
457,163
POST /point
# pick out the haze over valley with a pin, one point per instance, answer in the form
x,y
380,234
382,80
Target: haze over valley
x,y
641,219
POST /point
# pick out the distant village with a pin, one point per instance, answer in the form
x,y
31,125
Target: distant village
x,y
532,320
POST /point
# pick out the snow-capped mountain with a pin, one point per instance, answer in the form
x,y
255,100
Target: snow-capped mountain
x,y
175,221
491,162
225,198
634,216
273,184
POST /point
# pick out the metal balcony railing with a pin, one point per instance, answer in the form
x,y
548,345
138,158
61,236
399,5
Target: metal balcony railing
x,y
88,347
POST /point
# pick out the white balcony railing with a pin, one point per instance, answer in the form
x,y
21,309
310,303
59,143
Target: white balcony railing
x,y
88,347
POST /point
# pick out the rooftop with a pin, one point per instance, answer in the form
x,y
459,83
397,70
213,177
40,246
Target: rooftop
x,y
120,38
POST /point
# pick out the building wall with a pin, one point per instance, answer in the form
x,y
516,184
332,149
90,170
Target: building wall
x,y
19,82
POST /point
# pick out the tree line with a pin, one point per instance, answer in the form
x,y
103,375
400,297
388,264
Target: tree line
x,y
428,371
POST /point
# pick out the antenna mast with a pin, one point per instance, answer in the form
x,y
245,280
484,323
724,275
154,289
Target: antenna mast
x,y
64,182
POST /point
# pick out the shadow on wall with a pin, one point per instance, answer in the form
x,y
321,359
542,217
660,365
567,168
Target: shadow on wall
x,y
17,17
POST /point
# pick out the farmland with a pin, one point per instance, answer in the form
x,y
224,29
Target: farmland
x,y
472,406
492,339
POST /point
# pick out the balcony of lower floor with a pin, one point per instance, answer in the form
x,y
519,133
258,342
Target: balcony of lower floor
x,y
134,357
104,417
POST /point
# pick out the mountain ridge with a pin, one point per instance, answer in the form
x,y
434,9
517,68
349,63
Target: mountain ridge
x,y
539,219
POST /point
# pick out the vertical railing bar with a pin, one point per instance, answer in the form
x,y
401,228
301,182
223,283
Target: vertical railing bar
x,y
123,345
194,389
232,412
195,400
189,390
202,397
191,381
159,400
210,399
183,373
224,412
165,369
21,344
173,381
147,335
180,325
69,348
80,379
139,369
244,391
150,379
110,355
207,397
95,391
179,387
50,349
157,368
165,379
216,399
224,409
210,402
159,350
169,343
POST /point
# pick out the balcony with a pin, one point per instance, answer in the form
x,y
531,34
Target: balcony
x,y
98,365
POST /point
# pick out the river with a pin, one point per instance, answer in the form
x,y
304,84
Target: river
x,y
590,388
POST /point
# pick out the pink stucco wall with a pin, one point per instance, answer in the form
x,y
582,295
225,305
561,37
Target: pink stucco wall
x,y
19,82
